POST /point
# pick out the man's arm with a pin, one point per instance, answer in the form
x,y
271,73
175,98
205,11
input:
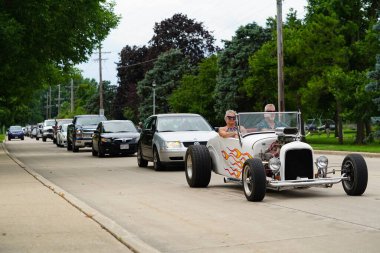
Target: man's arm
x,y
223,133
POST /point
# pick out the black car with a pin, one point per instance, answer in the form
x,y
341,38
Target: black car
x,y
115,137
15,132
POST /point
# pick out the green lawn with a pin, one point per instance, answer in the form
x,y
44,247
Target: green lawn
x,y
322,142
2,136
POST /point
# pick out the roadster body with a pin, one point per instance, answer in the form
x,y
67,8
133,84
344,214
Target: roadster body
x,y
271,158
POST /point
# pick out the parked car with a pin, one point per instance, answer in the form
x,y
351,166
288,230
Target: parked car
x,y
165,138
330,122
39,130
312,125
274,159
115,137
80,131
47,129
58,123
62,135
15,132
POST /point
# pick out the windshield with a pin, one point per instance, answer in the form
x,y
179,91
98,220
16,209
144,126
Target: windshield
x,y
254,122
91,120
119,127
182,123
15,128
64,121
49,122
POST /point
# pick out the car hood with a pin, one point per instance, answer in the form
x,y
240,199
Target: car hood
x,y
120,135
185,136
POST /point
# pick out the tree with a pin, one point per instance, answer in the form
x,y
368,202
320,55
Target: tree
x,y
187,35
233,67
39,37
195,93
166,73
92,103
133,65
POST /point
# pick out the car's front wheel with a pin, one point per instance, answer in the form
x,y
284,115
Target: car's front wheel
x,y
69,145
100,151
198,166
355,168
140,160
157,164
254,180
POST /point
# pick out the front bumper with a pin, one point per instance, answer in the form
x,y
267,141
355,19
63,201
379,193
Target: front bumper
x,y
172,155
119,148
288,184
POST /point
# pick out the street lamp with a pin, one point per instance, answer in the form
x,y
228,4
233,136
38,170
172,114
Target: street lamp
x,y
154,97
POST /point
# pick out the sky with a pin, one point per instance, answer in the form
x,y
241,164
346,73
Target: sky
x,y
138,17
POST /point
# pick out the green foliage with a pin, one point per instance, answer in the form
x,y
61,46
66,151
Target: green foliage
x,y
166,73
40,40
195,92
233,68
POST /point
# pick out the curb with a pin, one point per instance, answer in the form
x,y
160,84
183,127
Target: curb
x,y
131,241
364,154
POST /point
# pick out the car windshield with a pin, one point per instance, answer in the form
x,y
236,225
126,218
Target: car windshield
x,y
64,128
182,123
119,127
64,121
49,122
15,128
254,122
90,120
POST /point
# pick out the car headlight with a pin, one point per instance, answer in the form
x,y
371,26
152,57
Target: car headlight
x,y
322,162
172,144
105,140
79,131
274,164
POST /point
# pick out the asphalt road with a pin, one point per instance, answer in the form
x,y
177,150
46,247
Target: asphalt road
x,y
161,210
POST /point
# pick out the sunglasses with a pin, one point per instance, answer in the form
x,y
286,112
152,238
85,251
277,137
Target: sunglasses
x,y
231,117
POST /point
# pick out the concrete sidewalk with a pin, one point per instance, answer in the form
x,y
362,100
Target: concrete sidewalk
x,y
37,216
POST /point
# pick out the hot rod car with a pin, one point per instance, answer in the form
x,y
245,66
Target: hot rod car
x,y
264,158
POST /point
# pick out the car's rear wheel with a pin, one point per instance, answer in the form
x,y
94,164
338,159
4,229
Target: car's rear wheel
x,y
140,160
355,168
69,145
94,152
100,151
198,166
254,180
22,138
157,164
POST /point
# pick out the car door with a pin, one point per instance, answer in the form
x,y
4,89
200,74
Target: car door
x,y
147,137
96,137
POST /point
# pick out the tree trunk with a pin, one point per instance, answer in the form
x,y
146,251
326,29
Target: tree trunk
x,y
340,125
359,132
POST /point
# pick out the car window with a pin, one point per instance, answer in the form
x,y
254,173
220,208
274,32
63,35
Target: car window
x,y
49,122
15,128
119,127
182,123
148,124
91,120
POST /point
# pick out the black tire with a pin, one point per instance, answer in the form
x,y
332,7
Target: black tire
x,y
44,139
37,138
140,160
55,141
100,151
75,148
355,168
69,145
254,180
157,164
9,139
22,138
198,166
94,152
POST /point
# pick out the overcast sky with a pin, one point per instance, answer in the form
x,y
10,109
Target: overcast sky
x,y
221,17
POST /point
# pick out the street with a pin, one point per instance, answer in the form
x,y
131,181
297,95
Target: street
x,y
164,212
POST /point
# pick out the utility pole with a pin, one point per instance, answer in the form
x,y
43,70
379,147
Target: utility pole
x,y
59,98
49,102
47,105
280,59
100,59
72,95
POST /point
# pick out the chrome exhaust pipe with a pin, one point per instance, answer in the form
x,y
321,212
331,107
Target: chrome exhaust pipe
x,y
232,180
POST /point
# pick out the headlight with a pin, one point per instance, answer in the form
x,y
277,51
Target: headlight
x,y
322,162
79,131
172,144
105,140
274,164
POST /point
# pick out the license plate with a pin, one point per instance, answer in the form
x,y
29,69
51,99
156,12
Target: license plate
x,y
124,146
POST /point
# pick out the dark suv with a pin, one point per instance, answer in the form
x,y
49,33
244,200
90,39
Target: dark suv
x,y
79,133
